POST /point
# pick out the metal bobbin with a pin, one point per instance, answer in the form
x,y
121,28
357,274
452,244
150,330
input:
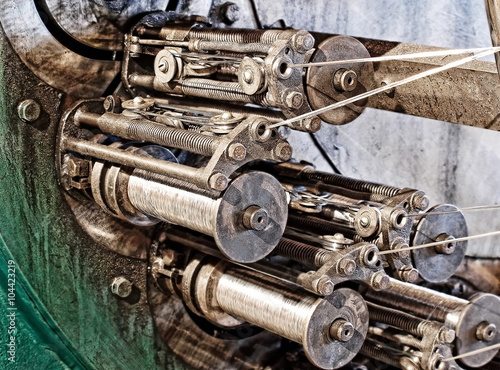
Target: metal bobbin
x,y
241,232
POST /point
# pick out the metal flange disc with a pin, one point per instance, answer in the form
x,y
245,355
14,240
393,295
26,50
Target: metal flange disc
x,y
432,265
250,189
482,309
320,81
320,349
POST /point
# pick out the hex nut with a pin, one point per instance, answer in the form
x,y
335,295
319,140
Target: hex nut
x,y
325,286
283,151
294,100
380,281
347,266
312,124
29,110
121,287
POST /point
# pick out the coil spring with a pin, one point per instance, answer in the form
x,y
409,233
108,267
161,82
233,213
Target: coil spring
x,y
301,252
236,35
318,226
370,349
353,184
395,318
218,90
169,136
227,69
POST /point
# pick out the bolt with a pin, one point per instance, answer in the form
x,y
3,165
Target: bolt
x,y
237,151
255,218
29,110
169,257
447,335
312,124
448,246
408,274
420,202
248,76
380,281
347,266
294,100
345,80
304,42
163,65
283,151
402,247
218,181
324,286
230,12
341,330
486,331
364,221
121,287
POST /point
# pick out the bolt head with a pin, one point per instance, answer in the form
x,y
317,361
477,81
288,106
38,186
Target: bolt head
x,y
237,151
408,274
294,100
248,76
420,202
218,181
325,286
312,124
304,42
29,110
121,287
380,281
283,151
447,335
230,12
347,266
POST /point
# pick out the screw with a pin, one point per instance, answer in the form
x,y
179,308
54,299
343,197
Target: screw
x,y
218,181
312,124
283,151
255,218
420,202
304,43
402,247
294,100
138,100
325,286
447,335
347,266
248,76
230,12
380,281
341,330
237,151
121,287
29,110
408,274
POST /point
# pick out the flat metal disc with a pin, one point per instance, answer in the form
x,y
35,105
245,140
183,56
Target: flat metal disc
x,y
250,189
433,266
320,80
482,308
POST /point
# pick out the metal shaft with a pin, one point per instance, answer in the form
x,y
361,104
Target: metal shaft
x,y
178,171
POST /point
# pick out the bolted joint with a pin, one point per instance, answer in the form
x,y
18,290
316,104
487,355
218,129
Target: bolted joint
x,y
283,151
324,286
230,12
380,281
237,152
29,110
402,247
312,124
420,202
447,335
346,266
218,181
255,218
408,274
303,42
341,330
294,100
121,287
